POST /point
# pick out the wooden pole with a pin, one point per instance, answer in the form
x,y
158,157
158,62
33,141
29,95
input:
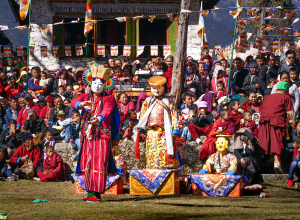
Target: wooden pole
x,y
29,14
180,52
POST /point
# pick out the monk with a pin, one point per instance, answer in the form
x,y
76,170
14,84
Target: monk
x,y
236,116
277,111
224,126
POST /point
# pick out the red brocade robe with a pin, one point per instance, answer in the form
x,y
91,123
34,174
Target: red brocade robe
x,y
94,154
273,120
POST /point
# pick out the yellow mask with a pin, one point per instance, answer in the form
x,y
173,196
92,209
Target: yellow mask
x,y
221,144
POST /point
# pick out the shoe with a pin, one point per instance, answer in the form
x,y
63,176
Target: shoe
x,y
36,179
73,144
277,167
91,199
290,183
12,178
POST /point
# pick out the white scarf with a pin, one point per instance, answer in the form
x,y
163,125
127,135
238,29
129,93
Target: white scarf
x,y
167,125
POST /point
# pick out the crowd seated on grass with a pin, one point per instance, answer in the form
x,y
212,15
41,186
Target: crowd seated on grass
x,y
261,111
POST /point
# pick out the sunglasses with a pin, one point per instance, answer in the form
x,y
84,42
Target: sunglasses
x,y
290,58
127,80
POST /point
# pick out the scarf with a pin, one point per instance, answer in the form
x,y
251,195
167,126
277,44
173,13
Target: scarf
x,y
167,125
230,126
142,96
208,98
235,117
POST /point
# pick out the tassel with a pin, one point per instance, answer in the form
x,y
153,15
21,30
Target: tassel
x,y
137,154
287,135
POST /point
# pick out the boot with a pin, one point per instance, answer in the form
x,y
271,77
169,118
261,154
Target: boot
x,y
277,164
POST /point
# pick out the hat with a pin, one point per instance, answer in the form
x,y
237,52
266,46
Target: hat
x,y
26,136
253,64
27,96
20,99
243,101
192,91
50,99
61,112
281,85
216,61
41,98
30,111
282,57
157,81
202,104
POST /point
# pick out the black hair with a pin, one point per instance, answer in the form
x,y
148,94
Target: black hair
x,y
293,70
11,77
193,108
47,131
130,111
290,52
49,147
170,57
1,150
11,121
260,57
118,68
37,68
13,99
297,139
223,60
248,58
232,103
57,96
271,80
237,59
184,95
223,112
122,93
284,73
221,83
74,111
204,50
245,113
251,93
44,73
206,58
61,86
271,55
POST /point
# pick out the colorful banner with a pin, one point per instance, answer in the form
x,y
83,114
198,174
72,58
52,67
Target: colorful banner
x,y
154,50
290,13
170,16
31,50
43,51
140,50
167,50
45,28
20,51
127,51
78,49
151,18
114,51
121,19
211,51
204,13
7,51
55,50
100,50
68,51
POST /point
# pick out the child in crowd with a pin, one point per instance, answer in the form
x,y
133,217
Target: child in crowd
x,y
48,140
187,104
235,115
129,124
44,81
73,129
185,131
12,89
294,76
34,82
271,83
61,90
249,123
118,75
53,167
70,88
4,172
295,165
67,102
59,129
255,118
220,90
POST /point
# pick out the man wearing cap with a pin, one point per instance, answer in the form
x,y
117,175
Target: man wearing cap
x,y
159,119
202,123
251,82
277,111
23,112
35,125
46,110
24,152
41,101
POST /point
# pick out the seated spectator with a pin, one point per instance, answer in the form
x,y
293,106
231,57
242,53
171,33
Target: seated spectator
x,y
271,83
249,123
58,105
12,88
10,138
118,75
8,67
22,116
35,125
251,82
129,124
224,125
72,131
192,79
48,140
34,82
46,110
202,122
212,106
205,78
61,79
221,92
4,171
253,106
217,77
205,53
185,131
124,105
12,112
24,152
60,91
244,151
235,115
41,102
59,128
53,166
186,98
45,81
294,76
21,102
295,165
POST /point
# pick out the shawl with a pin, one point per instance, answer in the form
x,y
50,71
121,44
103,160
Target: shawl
x,y
168,75
208,98
216,71
235,117
142,96
230,126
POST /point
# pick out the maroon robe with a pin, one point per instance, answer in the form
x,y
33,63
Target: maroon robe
x,y
272,122
236,117
252,126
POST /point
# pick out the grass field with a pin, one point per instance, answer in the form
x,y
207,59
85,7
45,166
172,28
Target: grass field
x,y
16,200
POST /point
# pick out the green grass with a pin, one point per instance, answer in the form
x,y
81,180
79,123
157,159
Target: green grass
x,y
16,200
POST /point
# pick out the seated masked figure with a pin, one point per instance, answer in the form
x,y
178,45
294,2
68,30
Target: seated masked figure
x,y
221,162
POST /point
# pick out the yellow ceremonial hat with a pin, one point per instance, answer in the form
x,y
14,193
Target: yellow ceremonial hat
x,y
224,135
157,81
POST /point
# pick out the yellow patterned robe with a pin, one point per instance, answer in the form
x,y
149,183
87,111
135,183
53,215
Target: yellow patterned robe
x,y
228,163
156,146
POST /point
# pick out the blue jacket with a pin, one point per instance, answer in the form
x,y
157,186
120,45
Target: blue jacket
x,y
8,115
32,86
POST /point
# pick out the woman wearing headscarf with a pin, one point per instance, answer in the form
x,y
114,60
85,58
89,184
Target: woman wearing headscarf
x,y
218,76
192,79
142,97
210,98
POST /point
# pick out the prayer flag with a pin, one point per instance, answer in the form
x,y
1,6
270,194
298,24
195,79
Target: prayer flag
x,y
151,18
211,52
114,51
270,11
266,39
252,11
127,51
291,43
185,11
137,17
100,50
45,28
31,49
275,43
21,27
249,35
201,30
68,51
170,16
270,28
3,27
154,50
20,51
55,50
7,51
24,7
204,13
290,13
295,21
284,30
88,18
43,51
78,49
236,13
140,50
167,49
262,28
121,19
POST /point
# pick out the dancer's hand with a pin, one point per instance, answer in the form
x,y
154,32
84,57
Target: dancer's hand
x,y
95,121
86,105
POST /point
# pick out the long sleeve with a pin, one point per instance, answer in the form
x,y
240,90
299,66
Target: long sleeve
x,y
233,163
43,112
262,77
2,140
36,157
144,108
297,97
247,84
108,106
208,164
237,154
6,118
214,128
57,170
32,86
20,117
26,125
16,155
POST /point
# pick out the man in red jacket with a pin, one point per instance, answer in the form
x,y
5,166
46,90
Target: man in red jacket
x,y
25,152
23,112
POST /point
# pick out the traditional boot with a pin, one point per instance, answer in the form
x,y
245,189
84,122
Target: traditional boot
x,y
91,197
277,164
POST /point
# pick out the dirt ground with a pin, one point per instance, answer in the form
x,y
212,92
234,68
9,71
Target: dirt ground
x,y
17,201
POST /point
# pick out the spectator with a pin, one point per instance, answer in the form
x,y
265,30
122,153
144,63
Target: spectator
x,y
12,112
34,82
295,165
251,82
168,71
58,105
290,62
271,83
61,79
238,77
4,171
218,76
124,105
